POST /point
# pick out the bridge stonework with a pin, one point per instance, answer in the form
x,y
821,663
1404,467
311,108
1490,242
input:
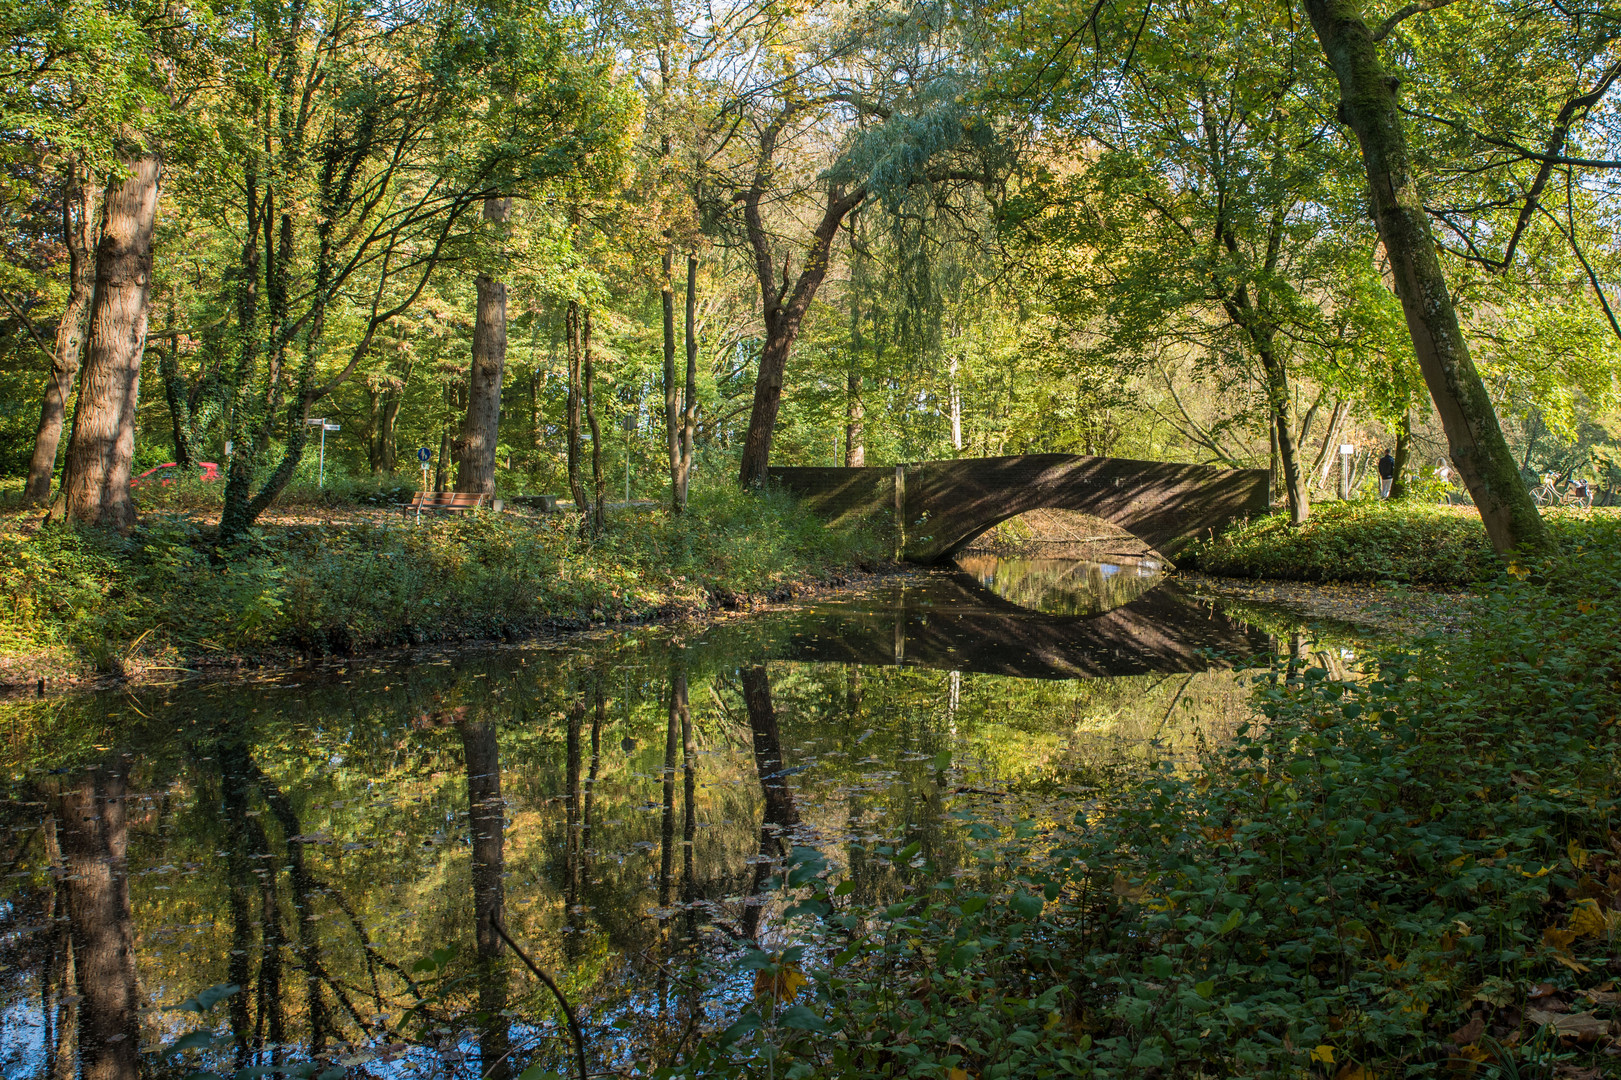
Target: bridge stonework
x,y
938,507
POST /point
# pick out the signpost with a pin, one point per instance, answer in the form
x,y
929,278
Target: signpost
x,y
424,455
325,427
1346,450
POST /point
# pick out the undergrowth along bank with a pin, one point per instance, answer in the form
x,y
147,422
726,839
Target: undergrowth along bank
x,y
1373,540
74,599
1412,874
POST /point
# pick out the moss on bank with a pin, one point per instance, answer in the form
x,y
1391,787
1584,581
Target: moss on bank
x,y
76,602
1415,543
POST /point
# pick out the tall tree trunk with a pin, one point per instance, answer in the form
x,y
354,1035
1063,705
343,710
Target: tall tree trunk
x,y
672,413
1474,437
572,330
94,838
475,471
95,483
487,812
855,413
599,479
689,404
1325,456
783,311
441,468
956,410
1404,450
79,237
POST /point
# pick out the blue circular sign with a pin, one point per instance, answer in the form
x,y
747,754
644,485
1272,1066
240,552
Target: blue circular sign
x,y
424,455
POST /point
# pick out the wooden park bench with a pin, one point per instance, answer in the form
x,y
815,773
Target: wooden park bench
x,y
445,502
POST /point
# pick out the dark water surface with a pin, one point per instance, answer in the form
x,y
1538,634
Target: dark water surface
x,y
334,842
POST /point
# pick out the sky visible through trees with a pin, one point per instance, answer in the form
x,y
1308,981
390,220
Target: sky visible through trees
x,y
596,249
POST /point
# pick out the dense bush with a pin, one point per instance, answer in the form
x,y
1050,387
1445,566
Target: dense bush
x,y
165,593
1412,874
1370,540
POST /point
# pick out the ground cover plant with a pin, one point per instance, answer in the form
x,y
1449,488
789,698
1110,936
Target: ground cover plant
x,y
1412,873
166,595
1372,540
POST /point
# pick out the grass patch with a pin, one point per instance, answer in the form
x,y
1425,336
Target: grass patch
x,y
164,596
1412,873
1373,540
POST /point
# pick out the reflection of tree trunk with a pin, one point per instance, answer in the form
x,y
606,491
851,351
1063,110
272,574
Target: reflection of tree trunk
x,y
239,872
598,718
780,812
59,968
672,728
487,813
689,795
573,834
309,948
94,837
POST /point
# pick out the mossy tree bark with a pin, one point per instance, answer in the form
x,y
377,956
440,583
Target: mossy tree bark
x,y
1474,438
1404,453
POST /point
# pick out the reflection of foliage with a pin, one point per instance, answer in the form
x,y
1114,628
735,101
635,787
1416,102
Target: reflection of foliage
x,y
339,806
1061,586
1386,875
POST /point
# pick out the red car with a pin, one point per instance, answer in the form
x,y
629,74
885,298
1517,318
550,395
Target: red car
x,y
169,472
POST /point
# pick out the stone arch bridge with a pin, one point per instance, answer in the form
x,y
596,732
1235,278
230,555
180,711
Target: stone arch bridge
x,y
938,507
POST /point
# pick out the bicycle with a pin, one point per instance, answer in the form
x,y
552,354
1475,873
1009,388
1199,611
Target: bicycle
x,y
1576,493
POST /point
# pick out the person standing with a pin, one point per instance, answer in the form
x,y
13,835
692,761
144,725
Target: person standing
x,y
1387,474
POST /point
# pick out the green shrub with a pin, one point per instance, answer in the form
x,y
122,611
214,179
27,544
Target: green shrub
x,y
1371,540
165,593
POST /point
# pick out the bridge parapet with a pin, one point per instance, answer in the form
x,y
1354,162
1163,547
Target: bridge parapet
x,y
934,508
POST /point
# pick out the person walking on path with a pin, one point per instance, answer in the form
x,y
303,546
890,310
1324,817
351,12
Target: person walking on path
x,y
1387,474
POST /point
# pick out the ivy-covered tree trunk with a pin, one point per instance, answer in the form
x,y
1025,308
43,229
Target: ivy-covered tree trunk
x,y
571,321
95,483
1474,437
1404,451
79,226
689,405
672,392
599,479
475,470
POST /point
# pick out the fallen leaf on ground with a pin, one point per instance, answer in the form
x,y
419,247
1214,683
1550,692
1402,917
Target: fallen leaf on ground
x,y
1470,1031
1582,1026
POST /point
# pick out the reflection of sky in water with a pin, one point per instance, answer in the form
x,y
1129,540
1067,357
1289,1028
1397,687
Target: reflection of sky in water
x,y
361,777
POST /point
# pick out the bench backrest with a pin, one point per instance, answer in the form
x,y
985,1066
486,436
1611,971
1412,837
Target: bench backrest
x,y
448,500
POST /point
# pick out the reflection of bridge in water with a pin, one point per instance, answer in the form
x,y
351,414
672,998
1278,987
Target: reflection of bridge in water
x,y
950,623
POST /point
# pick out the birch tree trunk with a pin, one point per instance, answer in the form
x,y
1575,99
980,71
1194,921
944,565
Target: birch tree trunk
x,y
1474,438
79,237
481,425
95,483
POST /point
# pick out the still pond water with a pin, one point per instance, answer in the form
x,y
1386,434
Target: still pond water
x,y
317,837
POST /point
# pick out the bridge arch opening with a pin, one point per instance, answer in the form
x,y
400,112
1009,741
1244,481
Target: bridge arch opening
x,y
1058,533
